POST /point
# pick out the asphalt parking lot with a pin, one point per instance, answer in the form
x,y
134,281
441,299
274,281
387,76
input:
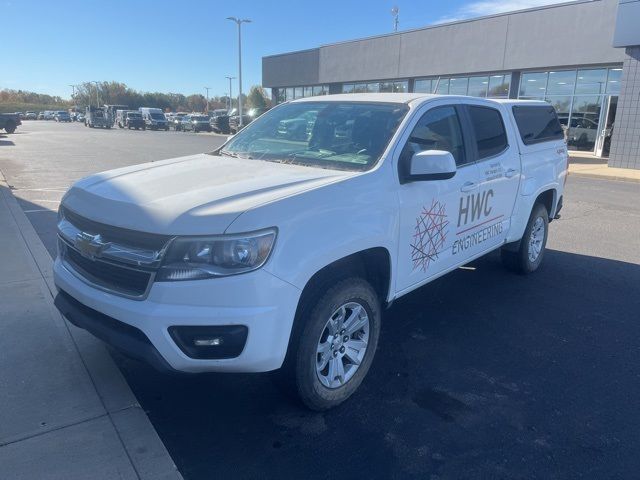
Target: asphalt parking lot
x,y
481,374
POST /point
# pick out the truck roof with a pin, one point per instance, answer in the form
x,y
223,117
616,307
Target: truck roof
x,y
408,98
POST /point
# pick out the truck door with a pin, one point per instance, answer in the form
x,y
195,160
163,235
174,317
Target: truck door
x,y
429,209
499,169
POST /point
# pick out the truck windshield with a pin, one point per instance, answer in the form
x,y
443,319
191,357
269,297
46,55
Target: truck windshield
x,y
157,116
329,134
133,115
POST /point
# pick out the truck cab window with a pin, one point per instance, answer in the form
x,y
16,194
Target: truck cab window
x,y
491,137
438,129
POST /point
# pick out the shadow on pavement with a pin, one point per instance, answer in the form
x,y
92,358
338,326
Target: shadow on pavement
x,y
4,142
481,374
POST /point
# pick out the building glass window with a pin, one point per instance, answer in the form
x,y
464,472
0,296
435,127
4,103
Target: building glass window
x,y
478,86
561,83
442,87
562,104
458,86
533,84
298,92
591,81
401,86
289,94
583,126
578,97
613,81
423,85
308,91
499,86
347,88
373,87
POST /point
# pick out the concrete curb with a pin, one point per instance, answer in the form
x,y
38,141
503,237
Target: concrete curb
x,y
604,177
146,452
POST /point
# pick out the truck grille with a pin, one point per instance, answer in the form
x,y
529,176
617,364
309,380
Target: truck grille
x,y
127,264
119,279
118,235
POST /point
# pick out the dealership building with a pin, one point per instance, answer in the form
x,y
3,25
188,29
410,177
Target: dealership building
x,y
583,57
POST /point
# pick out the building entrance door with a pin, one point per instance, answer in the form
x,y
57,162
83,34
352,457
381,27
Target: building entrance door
x,y
603,144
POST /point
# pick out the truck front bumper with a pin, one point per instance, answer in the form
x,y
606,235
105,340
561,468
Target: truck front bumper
x,y
257,303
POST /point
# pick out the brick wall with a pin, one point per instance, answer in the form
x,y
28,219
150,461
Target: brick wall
x,y
625,143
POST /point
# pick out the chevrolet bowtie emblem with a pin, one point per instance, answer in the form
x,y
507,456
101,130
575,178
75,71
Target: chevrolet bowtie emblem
x,y
90,246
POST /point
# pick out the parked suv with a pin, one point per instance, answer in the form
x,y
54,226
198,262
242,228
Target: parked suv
x,y
275,253
130,119
62,116
195,123
219,121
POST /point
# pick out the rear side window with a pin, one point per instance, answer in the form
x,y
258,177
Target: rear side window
x,y
491,137
537,123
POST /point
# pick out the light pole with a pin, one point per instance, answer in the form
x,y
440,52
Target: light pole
x,y
230,91
73,91
239,22
207,89
97,98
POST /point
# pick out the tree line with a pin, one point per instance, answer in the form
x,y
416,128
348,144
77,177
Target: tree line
x,y
118,93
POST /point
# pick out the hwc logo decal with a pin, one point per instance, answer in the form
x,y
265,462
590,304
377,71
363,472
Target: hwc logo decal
x,y
430,235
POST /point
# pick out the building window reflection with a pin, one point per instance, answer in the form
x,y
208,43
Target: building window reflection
x,y
578,96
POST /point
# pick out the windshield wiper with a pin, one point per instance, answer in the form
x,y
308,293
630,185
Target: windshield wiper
x,y
228,154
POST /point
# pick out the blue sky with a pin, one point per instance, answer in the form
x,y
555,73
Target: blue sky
x,y
182,46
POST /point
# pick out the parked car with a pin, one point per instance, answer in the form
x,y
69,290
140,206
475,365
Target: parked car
x,y
175,120
247,118
80,117
134,120
62,116
49,115
219,121
30,116
9,121
298,128
154,119
195,123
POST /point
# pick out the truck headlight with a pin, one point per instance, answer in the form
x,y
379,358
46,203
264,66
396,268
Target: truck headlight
x,y
196,258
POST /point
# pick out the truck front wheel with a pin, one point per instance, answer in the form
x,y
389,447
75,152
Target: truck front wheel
x,y
334,345
528,257
10,127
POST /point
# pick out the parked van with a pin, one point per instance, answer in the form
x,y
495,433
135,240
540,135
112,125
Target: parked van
x,y
154,118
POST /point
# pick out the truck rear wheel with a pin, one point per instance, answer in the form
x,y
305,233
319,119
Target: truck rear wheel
x,y
10,127
332,349
528,257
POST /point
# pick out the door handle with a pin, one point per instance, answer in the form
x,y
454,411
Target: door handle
x,y
468,186
510,173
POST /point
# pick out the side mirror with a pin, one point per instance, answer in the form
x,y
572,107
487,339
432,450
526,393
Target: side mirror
x,y
430,165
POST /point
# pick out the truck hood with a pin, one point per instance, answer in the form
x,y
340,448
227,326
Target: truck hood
x,y
196,195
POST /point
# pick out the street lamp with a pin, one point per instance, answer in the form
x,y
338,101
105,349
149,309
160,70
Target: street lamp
x,y
230,91
97,98
207,89
239,22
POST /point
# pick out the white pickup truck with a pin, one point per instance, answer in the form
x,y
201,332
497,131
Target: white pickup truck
x,y
281,249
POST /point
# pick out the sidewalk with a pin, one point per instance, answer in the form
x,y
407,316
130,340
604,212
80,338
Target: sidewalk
x,y
588,165
65,409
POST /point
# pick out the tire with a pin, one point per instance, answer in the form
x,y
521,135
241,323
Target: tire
x,y
528,257
324,383
10,127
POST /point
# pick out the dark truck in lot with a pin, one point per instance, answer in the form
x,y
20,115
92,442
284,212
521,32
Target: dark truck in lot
x,y
9,121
